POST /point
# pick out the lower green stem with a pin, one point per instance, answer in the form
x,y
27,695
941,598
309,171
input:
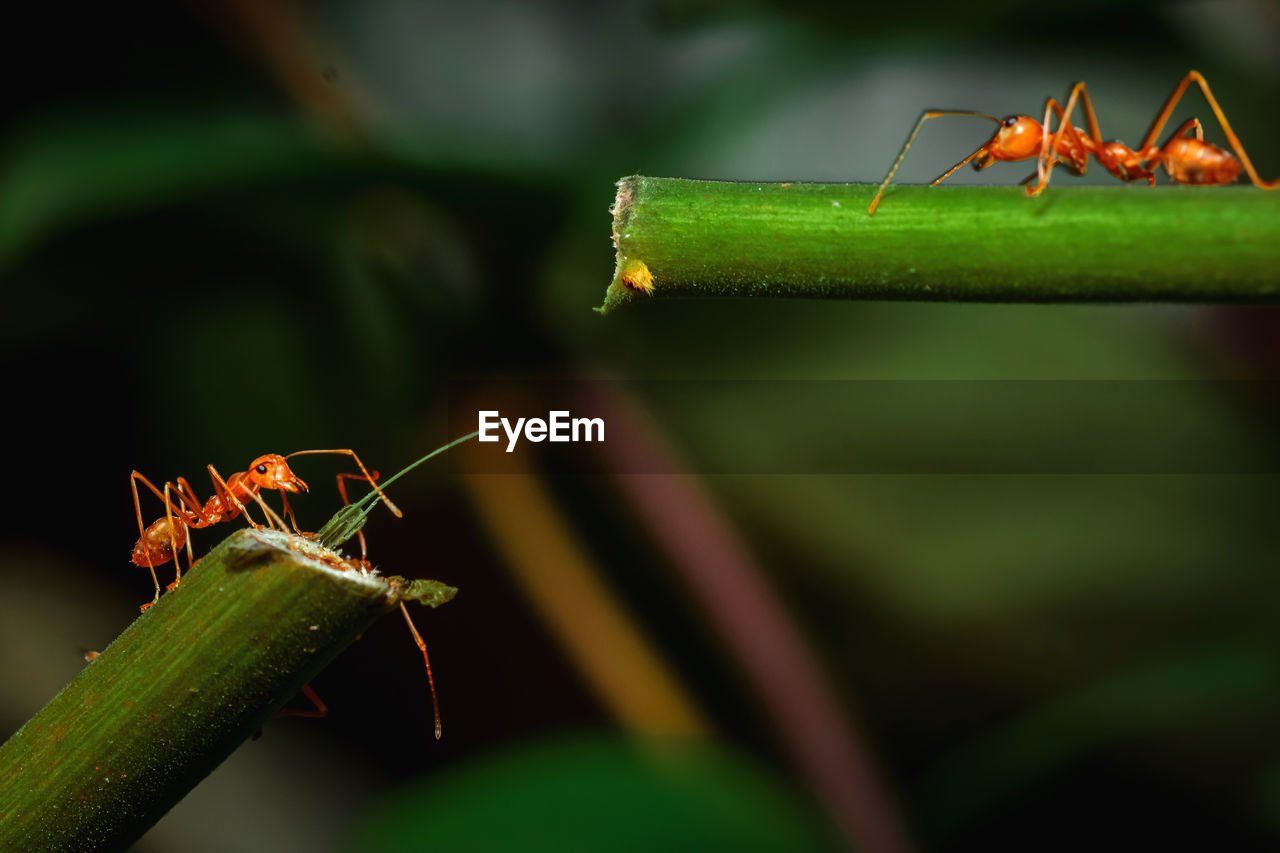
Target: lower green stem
x,y
182,687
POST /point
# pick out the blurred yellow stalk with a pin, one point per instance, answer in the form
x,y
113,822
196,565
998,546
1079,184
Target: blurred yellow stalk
x,y
557,576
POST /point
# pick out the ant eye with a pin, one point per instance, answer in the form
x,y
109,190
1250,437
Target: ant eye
x,y
1010,121
261,469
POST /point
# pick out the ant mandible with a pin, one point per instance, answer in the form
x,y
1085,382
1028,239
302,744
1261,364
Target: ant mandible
x,y
161,541
1186,159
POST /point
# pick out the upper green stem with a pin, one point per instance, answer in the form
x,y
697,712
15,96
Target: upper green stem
x,y
678,237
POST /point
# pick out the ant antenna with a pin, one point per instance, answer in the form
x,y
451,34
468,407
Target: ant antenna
x,y
926,115
373,481
431,682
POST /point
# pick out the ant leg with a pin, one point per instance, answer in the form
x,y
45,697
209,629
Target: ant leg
x,y
342,490
984,164
925,116
1163,116
173,544
431,682
288,513
276,520
195,508
342,486
1090,117
1049,155
142,529
187,496
195,514
372,478
1191,124
223,491
320,710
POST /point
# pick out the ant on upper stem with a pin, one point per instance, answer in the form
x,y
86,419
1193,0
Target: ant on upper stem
x,y
1186,159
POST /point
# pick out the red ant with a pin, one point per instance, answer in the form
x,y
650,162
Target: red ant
x,y
164,538
1186,159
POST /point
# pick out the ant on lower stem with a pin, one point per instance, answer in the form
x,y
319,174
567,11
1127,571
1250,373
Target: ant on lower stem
x,y
164,538
1186,157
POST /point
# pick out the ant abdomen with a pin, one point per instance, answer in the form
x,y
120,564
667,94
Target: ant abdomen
x,y
1194,161
159,543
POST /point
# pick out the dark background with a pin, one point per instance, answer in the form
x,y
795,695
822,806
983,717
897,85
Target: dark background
x,y
235,228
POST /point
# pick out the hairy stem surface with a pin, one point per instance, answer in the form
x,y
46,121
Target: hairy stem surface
x,y
182,687
678,237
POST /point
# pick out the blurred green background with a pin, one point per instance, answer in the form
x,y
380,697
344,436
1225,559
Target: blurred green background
x,y
245,227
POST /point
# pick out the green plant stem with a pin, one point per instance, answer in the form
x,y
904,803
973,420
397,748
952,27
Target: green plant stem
x,y
992,244
182,687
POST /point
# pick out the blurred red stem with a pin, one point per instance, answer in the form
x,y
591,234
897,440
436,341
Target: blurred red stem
x,y
745,611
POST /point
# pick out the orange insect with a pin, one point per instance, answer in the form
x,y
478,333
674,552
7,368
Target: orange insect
x,y
1186,158
165,537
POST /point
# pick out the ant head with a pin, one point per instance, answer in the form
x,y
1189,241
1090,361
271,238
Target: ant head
x,y
272,472
1017,139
